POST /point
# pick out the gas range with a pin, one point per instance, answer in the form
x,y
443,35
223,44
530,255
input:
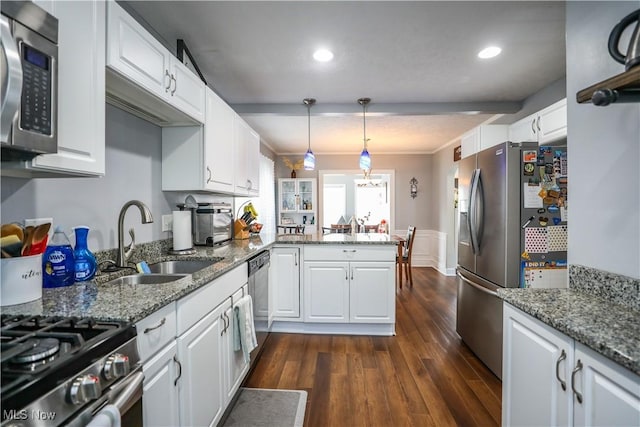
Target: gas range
x,y
61,370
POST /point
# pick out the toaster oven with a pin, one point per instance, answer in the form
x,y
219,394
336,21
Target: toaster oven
x,y
212,224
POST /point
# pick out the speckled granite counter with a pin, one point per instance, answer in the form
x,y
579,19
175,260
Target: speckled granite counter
x,y
133,302
337,239
592,311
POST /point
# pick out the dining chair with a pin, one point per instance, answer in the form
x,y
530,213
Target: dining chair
x,y
290,229
404,263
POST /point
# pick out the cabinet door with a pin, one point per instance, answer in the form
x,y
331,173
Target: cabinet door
x,y
133,52
285,277
610,393
241,154
235,367
253,161
187,91
372,292
288,195
534,356
326,292
307,192
552,123
160,394
219,142
524,130
200,351
81,90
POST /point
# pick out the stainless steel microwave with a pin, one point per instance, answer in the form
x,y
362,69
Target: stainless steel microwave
x,y
29,73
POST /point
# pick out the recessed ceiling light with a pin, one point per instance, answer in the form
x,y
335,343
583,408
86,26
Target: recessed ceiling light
x,y
489,52
323,55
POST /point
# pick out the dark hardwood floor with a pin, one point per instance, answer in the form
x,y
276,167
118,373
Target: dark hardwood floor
x,y
423,376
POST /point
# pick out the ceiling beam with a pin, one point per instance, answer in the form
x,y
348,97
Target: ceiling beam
x,y
399,109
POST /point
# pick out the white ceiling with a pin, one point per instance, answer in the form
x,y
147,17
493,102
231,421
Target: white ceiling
x,y
416,60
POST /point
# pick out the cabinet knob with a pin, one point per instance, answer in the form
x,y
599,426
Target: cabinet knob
x,y
166,74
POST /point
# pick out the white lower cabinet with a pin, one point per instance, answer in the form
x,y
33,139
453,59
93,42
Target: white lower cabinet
x,y
285,282
160,393
610,393
349,292
326,292
200,352
371,299
549,379
235,365
191,369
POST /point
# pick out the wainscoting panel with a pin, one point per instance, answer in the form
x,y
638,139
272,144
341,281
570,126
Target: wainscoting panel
x,y
429,250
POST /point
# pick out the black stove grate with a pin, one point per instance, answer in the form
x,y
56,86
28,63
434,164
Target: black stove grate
x,y
81,342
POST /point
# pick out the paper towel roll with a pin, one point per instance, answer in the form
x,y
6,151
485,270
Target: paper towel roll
x,y
182,230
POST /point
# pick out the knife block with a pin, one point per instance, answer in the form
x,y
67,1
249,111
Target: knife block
x,y
240,230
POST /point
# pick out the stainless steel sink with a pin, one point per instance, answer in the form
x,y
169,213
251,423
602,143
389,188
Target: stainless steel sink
x,y
146,279
181,267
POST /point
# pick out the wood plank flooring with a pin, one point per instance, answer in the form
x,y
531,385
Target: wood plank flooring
x,y
424,376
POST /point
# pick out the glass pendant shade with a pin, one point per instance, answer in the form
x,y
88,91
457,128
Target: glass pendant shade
x,y
365,160
309,157
309,160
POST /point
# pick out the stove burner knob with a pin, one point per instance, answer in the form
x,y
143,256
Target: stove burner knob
x,y
84,389
116,366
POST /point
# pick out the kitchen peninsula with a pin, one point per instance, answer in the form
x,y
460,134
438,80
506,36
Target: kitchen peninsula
x,y
132,303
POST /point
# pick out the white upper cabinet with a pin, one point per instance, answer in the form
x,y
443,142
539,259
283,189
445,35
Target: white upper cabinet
x,y
246,159
145,78
219,133
81,106
220,157
482,137
544,127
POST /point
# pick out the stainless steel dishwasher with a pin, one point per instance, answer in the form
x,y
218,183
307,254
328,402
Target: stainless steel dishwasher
x,y
259,291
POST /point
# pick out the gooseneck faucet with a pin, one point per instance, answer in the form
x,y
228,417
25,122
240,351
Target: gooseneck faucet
x,y
125,253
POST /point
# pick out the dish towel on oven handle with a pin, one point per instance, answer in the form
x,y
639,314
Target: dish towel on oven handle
x,y
109,416
244,331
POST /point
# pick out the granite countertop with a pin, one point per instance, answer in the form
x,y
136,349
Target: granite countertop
x,y
609,328
102,301
337,239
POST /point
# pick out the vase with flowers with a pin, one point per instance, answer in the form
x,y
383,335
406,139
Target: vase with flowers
x,y
293,166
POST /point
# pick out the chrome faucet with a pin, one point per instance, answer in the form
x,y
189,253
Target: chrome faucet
x,y
125,253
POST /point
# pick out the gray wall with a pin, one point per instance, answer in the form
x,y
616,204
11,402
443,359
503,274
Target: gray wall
x,y
408,211
444,171
133,171
604,149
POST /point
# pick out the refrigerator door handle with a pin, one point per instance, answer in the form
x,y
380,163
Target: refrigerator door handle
x,y
478,287
480,207
471,217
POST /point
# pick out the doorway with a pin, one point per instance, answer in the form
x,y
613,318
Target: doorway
x,y
344,193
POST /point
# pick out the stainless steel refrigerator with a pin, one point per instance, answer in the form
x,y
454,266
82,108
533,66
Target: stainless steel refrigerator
x,y
490,191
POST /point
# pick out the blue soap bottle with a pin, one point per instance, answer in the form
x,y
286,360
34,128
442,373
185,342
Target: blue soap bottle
x,y
58,264
85,261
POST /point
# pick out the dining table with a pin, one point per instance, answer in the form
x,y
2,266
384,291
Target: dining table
x,y
401,241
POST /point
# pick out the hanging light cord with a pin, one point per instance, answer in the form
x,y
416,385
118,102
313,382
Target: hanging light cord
x,y
364,102
309,124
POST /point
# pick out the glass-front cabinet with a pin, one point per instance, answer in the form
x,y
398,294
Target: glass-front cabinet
x,y
297,201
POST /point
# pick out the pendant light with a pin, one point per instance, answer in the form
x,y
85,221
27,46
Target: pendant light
x,y
365,158
309,158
